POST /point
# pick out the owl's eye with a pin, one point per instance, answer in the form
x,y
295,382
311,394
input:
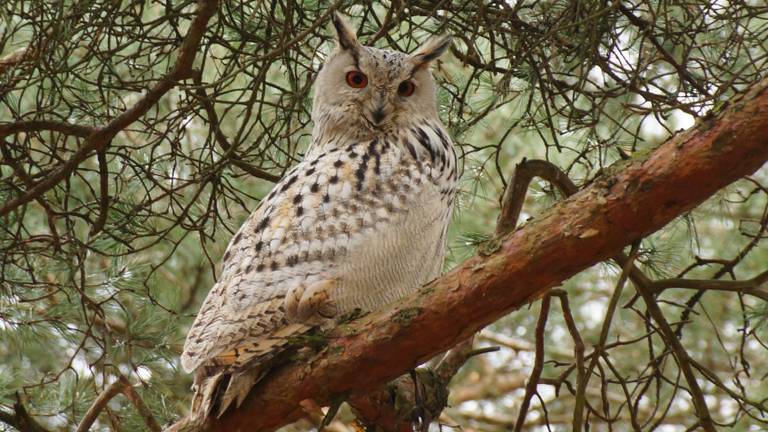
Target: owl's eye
x,y
357,79
406,88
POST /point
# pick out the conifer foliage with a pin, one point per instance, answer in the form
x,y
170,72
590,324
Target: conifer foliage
x,y
136,136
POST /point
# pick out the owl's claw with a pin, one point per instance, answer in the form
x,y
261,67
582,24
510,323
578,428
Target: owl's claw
x,y
310,304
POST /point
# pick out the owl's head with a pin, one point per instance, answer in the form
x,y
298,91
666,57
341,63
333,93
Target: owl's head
x,y
373,91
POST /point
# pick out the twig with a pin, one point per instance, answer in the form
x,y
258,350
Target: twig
x,y
213,120
103,193
45,125
20,173
749,286
578,351
538,363
600,347
681,355
644,27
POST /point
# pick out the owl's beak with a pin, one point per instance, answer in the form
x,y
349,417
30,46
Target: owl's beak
x,y
378,114
379,111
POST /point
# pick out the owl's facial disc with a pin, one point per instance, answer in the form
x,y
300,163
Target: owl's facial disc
x,y
381,90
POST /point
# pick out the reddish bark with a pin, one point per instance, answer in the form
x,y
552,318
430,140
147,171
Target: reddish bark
x,y
627,203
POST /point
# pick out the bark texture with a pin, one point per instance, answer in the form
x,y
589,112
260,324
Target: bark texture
x,y
629,201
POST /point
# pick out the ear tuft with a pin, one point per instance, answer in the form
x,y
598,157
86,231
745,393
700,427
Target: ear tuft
x,y
431,49
345,35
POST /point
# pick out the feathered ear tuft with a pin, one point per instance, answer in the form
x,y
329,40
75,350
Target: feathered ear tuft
x,y
345,35
431,49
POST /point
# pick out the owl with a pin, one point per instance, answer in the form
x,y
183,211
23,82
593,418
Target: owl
x,y
359,223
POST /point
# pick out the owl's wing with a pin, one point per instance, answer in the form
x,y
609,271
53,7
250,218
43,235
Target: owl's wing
x,y
333,202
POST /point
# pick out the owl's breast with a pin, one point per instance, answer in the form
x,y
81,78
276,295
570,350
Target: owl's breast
x,y
412,189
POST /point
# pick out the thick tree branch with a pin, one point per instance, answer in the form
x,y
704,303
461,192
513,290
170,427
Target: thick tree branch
x,y
630,201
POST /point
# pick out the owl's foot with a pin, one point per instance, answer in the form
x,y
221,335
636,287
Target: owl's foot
x,y
310,304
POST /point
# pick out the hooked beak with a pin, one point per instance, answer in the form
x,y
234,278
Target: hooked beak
x,y
378,114
379,111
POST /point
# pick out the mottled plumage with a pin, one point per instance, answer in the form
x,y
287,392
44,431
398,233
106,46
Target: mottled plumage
x,y
359,223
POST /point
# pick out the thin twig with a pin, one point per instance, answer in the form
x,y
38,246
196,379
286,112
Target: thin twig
x,y
578,351
103,193
702,411
538,363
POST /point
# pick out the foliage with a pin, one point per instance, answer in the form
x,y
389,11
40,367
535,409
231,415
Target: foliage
x,y
101,273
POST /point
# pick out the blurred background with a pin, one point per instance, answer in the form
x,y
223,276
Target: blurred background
x,y
101,274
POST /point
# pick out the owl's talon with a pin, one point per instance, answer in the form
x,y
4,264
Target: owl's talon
x,y
311,305
291,303
327,310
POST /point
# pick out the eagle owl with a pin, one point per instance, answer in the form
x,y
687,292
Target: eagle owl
x,y
360,222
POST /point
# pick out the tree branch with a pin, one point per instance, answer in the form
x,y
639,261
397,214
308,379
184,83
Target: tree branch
x,y
121,385
141,407
100,402
12,59
514,195
20,419
631,200
43,125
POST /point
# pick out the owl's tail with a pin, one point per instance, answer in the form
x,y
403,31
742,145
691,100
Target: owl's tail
x,y
215,391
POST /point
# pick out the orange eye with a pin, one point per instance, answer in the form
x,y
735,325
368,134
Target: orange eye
x,y
357,79
406,88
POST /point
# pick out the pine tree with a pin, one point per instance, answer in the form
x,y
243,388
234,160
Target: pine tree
x,y
135,137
